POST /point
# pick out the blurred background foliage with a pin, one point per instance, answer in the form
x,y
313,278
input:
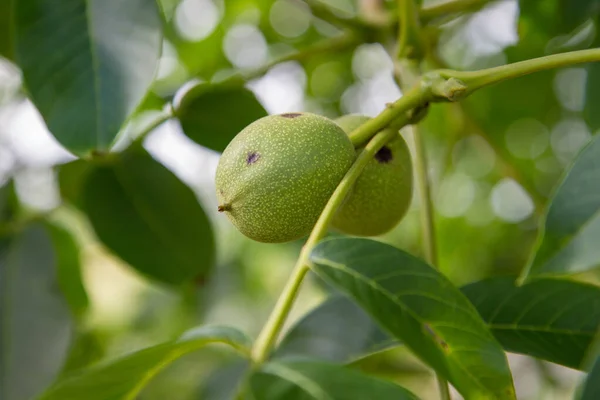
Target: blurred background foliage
x,y
494,161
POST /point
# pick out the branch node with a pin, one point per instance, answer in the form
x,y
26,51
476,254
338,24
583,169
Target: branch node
x,y
450,89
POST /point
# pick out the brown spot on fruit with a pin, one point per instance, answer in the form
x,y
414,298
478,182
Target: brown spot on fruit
x,y
290,115
384,155
382,194
252,157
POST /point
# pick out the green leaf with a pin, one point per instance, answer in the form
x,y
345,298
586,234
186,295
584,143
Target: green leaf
x,y
592,97
70,180
211,115
149,218
556,328
419,306
568,241
551,319
575,12
308,379
223,383
591,390
68,271
337,330
87,348
8,203
35,324
6,39
125,377
87,64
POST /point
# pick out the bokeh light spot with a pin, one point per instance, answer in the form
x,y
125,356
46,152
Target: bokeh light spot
x,y
196,19
510,202
527,138
245,46
290,18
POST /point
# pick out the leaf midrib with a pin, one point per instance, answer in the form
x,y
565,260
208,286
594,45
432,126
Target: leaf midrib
x,y
96,69
534,328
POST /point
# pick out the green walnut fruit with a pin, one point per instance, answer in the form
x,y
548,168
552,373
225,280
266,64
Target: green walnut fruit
x,y
275,177
382,194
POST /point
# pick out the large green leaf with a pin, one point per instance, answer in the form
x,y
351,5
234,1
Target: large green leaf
x,y
68,268
125,377
305,379
337,330
591,390
570,235
35,325
149,218
551,319
87,64
211,115
554,328
419,306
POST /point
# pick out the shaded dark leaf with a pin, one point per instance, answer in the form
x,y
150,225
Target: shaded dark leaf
x,y
68,271
211,115
592,97
591,389
6,38
223,384
336,330
36,325
148,217
70,180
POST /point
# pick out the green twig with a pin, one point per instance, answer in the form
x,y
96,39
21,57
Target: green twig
x,y
345,41
268,335
410,42
474,80
430,13
326,13
451,7
423,92
450,85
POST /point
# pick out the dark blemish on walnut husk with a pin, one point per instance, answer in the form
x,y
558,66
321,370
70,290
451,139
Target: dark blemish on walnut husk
x,y
384,155
252,157
290,115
